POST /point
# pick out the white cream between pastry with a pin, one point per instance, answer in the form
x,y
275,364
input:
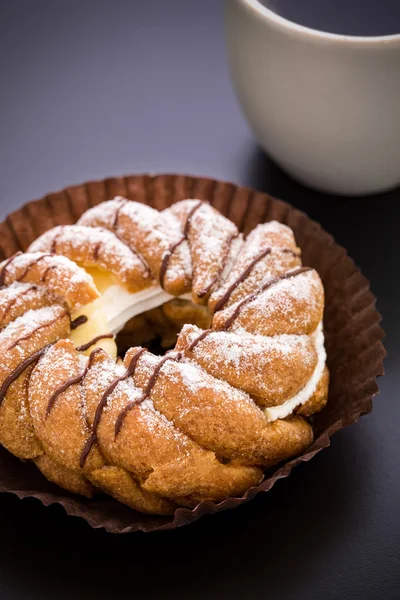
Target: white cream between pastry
x,y
285,409
115,306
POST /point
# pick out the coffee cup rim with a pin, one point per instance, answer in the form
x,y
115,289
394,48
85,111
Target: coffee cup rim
x,y
288,26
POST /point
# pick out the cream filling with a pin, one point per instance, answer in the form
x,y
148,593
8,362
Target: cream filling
x,y
119,305
116,306
285,409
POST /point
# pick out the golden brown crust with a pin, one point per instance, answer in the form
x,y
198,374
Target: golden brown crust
x,y
269,250
64,431
16,430
160,432
319,398
57,274
144,230
231,424
18,298
148,444
210,236
291,306
69,480
94,247
20,341
59,419
180,312
273,369
120,484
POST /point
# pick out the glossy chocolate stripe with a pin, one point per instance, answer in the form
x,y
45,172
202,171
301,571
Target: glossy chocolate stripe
x,y
224,299
31,264
78,322
146,393
223,264
100,407
263,288
173,247
20,369
71,381
3,271
199,338
16,299
86,346
31,333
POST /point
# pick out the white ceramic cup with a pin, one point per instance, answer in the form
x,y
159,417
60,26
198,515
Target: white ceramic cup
x,y
325,107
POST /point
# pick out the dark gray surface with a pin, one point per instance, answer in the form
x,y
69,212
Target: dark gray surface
x,y
366,18
92,89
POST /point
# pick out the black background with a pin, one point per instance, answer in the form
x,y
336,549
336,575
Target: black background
x,y
91,89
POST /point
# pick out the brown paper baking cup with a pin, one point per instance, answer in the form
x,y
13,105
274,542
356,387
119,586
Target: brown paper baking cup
x,y
351,322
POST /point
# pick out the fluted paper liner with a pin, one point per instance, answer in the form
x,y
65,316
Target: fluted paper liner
x,y
351,322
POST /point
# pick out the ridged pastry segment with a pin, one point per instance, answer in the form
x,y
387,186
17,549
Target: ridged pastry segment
x,y
22,341
205,420
121,485
18,298
269,250
57,274
57,403
291,305
231,424
271,368
144,230
99,248
213,240
73,482
148,444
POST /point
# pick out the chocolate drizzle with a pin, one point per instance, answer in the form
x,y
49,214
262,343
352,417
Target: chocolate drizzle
x,y
199,338
30,265
38,328
224,299
88,345
16,299
122,203
222,266
100,407
53,248
78,322
3,271
263,288
61,389
71,381
50,268
20,369
168,254
166,259
96,251
147,391
245,301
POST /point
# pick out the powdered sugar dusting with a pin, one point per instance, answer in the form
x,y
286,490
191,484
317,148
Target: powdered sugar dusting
x,y
94,246
285,409
279,300
29,323
57,273
268,367
144,230
282,256
208,396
